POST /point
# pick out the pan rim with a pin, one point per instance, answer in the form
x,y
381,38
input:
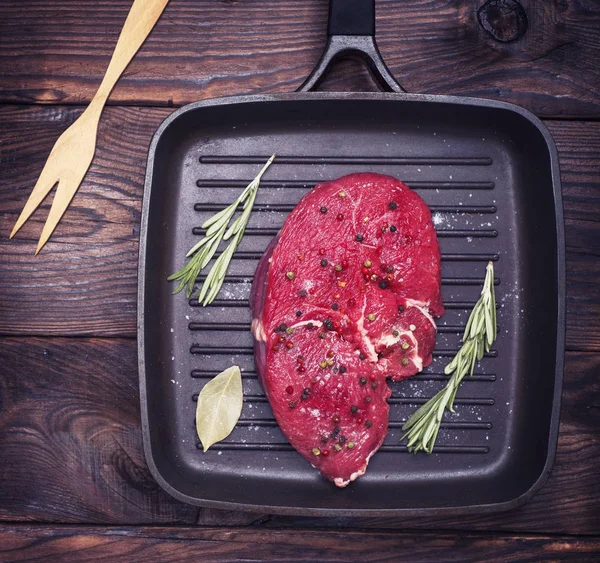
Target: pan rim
x,y
560,319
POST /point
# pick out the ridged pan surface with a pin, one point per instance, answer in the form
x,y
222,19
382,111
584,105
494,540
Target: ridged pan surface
x,y
489,173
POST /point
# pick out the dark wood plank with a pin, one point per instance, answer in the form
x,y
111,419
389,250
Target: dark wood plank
x,y
58,53
70,435
84,282
160,544
71,448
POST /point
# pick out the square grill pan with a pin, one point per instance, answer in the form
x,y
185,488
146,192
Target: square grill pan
x,y
488,171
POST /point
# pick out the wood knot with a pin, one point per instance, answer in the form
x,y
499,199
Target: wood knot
x,y
504,20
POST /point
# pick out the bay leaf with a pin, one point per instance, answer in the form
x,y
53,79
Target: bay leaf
x,y
219,407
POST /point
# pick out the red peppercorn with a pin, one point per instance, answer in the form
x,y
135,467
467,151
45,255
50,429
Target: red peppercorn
x,y
289,345
325,452
336,419
312,290
340,217
340,330
330,353
301,369
360,419
336,324
367,277
281,339
300,257
364,270
276,348
289,389
345,263
351,302
373,376
322,251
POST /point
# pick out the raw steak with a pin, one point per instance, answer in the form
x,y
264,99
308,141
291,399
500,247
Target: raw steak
x,y
343,298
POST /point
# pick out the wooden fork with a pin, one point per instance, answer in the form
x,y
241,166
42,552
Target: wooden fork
x,y
74,150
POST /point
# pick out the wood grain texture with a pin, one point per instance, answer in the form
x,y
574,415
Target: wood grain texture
x,y
53,53
160,544
85,281
70,435
71,449
74,150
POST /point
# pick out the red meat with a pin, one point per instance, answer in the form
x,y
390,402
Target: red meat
x,y
343,298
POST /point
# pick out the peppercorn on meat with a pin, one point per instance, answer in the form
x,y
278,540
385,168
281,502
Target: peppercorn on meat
x,y
343,298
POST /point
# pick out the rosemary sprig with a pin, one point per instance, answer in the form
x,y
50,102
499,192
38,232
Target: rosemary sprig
x,y
423,426
217,229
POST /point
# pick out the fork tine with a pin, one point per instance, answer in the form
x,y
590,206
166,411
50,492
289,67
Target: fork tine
x,y
47,180
64,194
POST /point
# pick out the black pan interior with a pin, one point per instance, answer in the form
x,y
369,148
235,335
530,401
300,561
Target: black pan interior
x,y
488,172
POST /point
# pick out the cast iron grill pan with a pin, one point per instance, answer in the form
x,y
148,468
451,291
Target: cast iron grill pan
x,y
488,172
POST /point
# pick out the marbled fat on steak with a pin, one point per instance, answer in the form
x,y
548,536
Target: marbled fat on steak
x,y
343,298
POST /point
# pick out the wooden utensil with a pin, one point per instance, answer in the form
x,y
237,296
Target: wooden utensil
x,y
72,153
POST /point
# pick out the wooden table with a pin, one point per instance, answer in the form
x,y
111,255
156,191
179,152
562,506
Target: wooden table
x,y
73,479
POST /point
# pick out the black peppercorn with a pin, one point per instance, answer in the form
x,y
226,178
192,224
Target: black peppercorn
x,y
359,237
393,228
323,209
353,409
303,293
400,308
383,284
343,369
335,306
393,205
368,424
361,356
363,380
324,262
298,313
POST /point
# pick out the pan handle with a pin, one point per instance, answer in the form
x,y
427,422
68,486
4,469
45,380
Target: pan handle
x,y
351,33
